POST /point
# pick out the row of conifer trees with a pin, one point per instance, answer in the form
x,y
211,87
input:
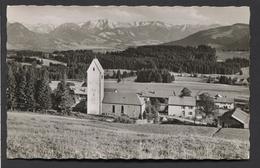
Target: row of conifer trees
x,y
28,89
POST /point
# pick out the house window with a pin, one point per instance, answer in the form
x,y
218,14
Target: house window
x,y
190,113
113,108
190,107
183,107
93,68
122,109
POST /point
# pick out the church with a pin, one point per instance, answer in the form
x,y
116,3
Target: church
x,y
110,103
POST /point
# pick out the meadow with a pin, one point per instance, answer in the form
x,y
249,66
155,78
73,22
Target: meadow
x,y
223,55
46,62
176,86
33,135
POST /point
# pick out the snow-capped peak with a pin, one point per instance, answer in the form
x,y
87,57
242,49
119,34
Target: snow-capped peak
x,y
40,28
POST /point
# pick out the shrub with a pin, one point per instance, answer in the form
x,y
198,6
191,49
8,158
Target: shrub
x,y
81,106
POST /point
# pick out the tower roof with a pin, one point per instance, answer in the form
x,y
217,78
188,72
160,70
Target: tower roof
x,y
97,64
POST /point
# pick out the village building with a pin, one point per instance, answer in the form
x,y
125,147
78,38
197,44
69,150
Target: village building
x,y
235,119
80,93
158,94
224,103
182,107
242,117
242,81
119,104
242,102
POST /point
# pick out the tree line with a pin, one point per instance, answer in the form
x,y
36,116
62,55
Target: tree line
x,y
154,75
28,90
201,59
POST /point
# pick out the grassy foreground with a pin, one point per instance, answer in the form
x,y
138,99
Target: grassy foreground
x,y
45,136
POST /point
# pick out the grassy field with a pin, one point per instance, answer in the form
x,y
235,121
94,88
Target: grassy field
x,y
46,62
233,133
177,86
223,55
45,136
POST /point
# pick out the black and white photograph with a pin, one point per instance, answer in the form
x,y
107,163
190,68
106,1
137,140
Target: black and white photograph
x,y
128,82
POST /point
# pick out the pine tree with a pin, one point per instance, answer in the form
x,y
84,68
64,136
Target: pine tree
x,y
172,78
151,77
21,93
63,98
118,76
158,77
11,90
206,103
185,92
43,95
124,74
30,89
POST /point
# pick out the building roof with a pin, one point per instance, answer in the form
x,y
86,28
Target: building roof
x,y
122,98
98,65
182,101
241,116
244,81
157,94
80,90
223,100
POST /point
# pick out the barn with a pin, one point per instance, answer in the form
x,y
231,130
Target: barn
x,y
235,119
182,106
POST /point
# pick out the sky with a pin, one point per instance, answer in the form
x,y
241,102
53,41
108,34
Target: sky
x,y
176,15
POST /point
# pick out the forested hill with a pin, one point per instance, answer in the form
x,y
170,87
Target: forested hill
x,y
234,37
174,58
201,59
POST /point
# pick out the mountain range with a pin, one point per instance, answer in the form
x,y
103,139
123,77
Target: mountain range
x,y
233,37
103,34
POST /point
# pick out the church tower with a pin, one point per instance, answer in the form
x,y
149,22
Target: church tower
x,y
95,87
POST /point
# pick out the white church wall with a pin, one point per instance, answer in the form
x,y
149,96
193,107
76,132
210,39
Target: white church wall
x,y
133,111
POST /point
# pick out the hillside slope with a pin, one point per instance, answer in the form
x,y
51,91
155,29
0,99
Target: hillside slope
x,y
234,37
47,137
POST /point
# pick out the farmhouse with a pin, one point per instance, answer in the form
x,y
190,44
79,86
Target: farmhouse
x,y
118,104
182,106
224,103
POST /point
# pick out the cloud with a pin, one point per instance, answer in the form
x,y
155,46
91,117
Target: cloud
x,y
175,15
